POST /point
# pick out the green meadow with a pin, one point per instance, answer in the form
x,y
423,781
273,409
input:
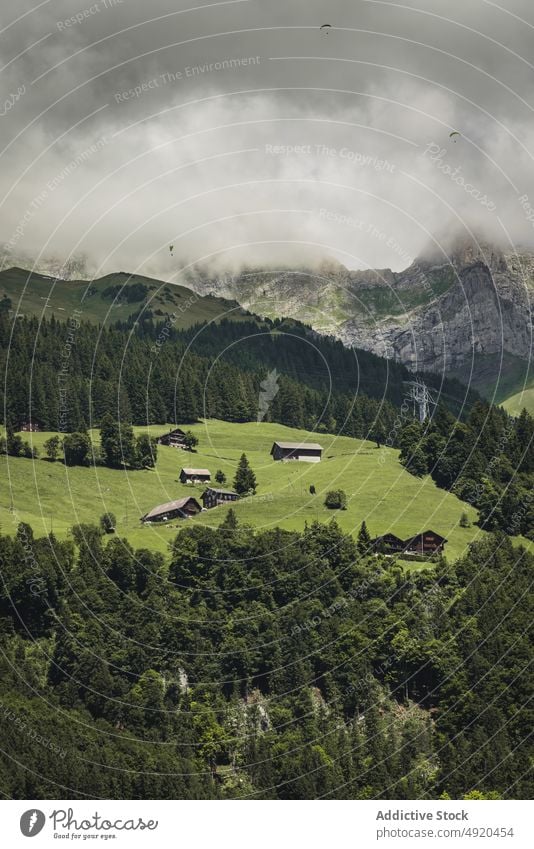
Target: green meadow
x,y
106,299
521,400
51,496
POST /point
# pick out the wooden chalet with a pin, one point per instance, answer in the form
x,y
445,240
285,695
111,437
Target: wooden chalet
x,y
183,508
195,476
388,544
29,427
213,497
421,545
427,542
307,452
174,438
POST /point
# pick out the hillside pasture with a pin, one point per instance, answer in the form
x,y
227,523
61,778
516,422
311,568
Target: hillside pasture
x,y
51,496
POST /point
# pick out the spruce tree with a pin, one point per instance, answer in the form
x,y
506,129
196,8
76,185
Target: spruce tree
x,y
364,539
245,479
229,522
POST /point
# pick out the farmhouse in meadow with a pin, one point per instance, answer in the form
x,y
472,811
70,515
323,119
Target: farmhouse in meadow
x,y
425,544
183,508
213,497
389,544
29,427
195,476
308,452
174,438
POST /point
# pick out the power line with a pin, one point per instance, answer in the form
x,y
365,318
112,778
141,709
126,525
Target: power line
x,y
422,397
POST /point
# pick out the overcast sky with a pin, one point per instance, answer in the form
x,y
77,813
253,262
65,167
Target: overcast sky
x,y
133,126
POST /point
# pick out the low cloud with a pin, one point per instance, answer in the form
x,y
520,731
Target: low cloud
x,y
228,132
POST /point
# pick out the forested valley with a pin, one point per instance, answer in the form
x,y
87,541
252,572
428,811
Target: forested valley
x,y
265,665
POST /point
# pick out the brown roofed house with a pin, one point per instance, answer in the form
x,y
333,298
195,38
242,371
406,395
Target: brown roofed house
x,y
308,452
427,542
388,544
174,438
183,508
195,476
29,427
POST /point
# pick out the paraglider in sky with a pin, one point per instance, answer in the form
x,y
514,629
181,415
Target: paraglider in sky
x,y
453,135
171,248
325,29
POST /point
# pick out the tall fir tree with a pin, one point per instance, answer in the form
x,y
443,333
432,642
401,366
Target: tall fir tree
x,y
245,479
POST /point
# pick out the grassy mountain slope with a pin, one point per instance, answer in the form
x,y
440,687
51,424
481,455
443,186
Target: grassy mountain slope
x,y
379,489
109,299
523,399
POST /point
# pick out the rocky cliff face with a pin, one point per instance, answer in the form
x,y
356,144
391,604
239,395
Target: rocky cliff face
x,y
436,315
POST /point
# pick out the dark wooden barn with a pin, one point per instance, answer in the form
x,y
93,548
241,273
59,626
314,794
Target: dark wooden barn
x,y
174,438
308,452
195,476
213,497
183,508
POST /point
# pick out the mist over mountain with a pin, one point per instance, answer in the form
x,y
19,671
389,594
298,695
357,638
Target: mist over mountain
x,y
467,313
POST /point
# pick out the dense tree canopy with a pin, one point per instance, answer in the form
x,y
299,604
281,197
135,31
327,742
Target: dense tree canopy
x,y
487,461
214,371
267,665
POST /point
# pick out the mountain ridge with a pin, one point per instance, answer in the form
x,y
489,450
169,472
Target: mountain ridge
x,y
463,309
454,314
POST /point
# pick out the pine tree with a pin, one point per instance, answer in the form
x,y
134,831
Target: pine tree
x,y
229,522
245,479
364,539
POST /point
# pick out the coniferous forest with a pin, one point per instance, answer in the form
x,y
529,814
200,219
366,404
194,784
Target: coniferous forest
x,y
58,374
262,665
